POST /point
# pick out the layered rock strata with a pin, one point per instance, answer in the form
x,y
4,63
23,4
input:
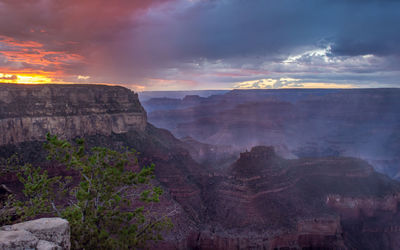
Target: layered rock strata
x,y
28,112
261,201
266,202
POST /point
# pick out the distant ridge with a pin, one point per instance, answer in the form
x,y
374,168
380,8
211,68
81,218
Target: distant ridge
x,y
179,94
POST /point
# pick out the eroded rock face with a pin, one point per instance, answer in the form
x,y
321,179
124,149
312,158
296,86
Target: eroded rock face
x,y
363,123
264,201
28,112
45,233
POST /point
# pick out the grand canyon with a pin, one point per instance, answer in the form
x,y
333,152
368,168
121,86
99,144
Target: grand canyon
x,y
200,124
254,189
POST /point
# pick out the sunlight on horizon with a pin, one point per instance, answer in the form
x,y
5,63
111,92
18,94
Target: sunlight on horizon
x,y
25,78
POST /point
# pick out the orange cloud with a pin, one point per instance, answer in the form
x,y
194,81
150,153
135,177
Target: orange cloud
x,y
30,62
13,42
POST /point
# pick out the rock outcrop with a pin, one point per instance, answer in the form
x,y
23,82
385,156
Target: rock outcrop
x,y
41,234
266,202
261,201
28,112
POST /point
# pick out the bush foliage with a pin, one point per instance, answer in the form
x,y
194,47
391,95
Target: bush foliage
x,y
107,203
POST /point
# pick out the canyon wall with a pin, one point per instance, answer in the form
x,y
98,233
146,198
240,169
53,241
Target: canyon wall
x,y
264,201
362,123
28,112
260,201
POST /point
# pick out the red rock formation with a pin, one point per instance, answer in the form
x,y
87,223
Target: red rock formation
x,y
261,201
265,201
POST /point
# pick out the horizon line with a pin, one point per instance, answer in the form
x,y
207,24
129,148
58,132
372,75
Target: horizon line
x,y
183,90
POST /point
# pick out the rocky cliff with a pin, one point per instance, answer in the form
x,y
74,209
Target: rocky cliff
x,y
261,201
264,201
104,116
28,112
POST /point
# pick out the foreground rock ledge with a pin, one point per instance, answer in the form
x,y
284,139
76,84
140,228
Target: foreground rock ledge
x,y
41,234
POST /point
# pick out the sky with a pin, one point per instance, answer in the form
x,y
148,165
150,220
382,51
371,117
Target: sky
x,y
202,44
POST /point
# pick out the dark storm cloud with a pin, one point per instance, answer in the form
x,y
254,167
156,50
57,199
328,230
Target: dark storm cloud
x,y
257,33
206,41
238,28
371,28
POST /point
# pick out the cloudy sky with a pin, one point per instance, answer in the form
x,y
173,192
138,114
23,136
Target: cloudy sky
x,y
201,44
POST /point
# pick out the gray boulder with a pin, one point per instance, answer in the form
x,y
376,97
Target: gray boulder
x,y
20,239
49,233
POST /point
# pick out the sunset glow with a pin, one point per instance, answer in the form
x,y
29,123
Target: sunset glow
x,y
163,45
29,62
25,78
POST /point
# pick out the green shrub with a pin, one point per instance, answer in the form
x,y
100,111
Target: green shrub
x,y
108,207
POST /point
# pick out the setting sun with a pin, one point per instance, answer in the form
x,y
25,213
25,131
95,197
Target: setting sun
x,y
25,78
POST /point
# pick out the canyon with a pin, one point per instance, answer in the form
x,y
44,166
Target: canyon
x,y
226,196
362,123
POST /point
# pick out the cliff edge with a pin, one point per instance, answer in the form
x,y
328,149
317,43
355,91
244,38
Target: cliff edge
x,y
28,112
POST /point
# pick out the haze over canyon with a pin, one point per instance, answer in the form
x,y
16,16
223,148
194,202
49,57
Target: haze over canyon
x,y
236,178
